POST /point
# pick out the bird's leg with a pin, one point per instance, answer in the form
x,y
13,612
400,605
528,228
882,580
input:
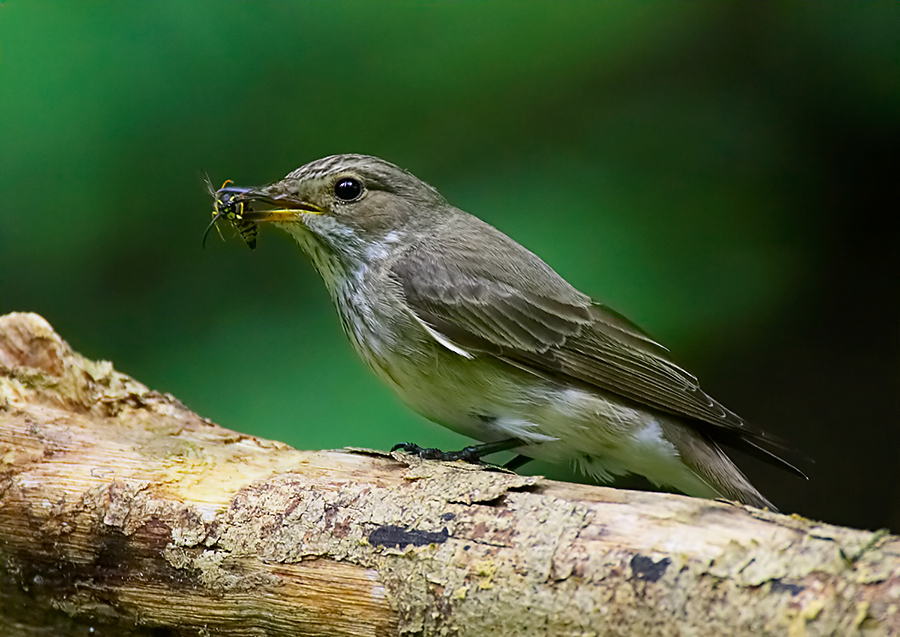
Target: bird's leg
x,y
471,454
517,462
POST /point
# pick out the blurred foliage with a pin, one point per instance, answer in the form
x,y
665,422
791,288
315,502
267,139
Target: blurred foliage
x,y
716,171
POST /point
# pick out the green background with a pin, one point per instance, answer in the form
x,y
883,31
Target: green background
x,y
723,173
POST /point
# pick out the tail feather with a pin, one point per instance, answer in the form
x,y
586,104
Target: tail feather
x,y
705,458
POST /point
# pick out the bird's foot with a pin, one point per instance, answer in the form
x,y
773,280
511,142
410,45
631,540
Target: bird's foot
x,y
471,454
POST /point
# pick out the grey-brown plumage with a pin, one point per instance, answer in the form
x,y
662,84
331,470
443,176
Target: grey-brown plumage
x,y
477,333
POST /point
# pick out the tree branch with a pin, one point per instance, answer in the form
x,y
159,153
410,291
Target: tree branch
x,y
124,513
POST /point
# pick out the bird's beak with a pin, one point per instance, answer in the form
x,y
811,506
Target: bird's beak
x,y
257,206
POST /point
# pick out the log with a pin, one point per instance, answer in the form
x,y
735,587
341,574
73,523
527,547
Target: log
x,y
124,513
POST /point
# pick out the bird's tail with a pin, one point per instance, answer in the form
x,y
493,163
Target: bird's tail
x,y
705,458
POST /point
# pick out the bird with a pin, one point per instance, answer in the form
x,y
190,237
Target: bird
x,y
477,333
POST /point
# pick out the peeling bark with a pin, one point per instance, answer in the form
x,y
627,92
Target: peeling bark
x,y
124,513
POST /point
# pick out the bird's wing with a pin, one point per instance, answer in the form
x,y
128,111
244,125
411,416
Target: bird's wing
x,y
547,327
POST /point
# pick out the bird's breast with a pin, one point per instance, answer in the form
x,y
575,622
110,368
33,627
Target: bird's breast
x,y
444,386
371,317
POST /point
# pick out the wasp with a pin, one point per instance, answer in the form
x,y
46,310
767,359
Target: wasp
x,y
231,206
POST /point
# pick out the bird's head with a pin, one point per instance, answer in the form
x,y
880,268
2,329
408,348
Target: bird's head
x,y
349,208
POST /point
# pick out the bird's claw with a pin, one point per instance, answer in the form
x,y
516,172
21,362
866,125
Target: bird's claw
x,y
469,454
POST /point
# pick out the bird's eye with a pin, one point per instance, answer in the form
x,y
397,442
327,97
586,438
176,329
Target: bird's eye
x,y
348,189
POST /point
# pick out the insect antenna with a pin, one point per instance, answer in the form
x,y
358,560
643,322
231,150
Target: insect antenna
x,y
218,213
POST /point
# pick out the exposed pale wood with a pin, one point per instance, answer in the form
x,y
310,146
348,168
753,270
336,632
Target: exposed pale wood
x,y
123,512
